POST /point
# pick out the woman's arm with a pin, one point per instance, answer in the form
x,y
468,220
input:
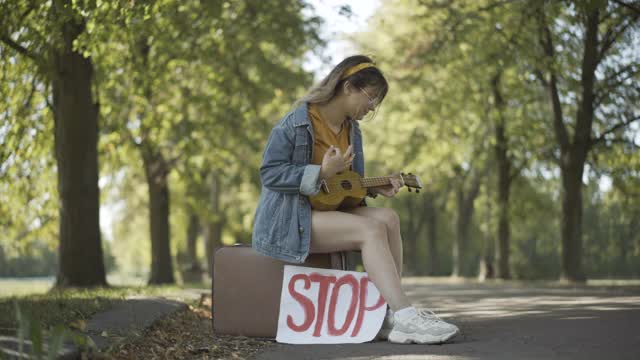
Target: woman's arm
x,y
278,173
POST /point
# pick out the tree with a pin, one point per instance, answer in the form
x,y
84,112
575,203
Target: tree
x,y
462,63
68,75
188,94
604,104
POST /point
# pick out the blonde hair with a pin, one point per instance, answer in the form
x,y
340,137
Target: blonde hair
x,y
326,89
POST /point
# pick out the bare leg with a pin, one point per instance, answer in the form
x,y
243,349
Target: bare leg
x,y
340,231
392,222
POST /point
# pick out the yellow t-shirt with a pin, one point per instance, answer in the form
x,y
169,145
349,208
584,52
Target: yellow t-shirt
x,y
324,137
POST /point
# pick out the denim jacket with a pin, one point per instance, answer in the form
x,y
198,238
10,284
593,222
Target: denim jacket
x,y
282,225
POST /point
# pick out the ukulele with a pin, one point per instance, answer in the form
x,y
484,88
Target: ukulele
x,y
348,188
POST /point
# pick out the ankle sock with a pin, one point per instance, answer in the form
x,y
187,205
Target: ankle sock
x,y
405,313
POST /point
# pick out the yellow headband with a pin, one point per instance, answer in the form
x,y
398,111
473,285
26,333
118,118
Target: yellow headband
x,y
354,69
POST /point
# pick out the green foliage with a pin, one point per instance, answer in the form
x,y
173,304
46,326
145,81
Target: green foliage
x,y
35,342
39,260
44,322
199,84
536,229
438,121
28,210
196,84
611,236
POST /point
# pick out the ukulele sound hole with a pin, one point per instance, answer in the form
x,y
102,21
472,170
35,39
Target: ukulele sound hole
x,y
345,185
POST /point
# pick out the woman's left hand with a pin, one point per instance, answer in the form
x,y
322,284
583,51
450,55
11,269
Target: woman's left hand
x,y
389,190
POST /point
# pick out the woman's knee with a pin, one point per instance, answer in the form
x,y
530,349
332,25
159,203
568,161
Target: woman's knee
x,y
390,218
373,231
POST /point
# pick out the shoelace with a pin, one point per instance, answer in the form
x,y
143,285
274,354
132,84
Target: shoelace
x,y
429,316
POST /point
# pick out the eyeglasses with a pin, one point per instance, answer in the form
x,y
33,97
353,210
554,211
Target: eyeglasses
x,y
372,101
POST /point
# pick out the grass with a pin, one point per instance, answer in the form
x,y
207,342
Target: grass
x,y
21,287
185,334
41,285
64,307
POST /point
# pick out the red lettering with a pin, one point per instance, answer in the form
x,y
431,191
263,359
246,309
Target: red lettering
x,y
364,282
344,280
307,305
324,282
358,302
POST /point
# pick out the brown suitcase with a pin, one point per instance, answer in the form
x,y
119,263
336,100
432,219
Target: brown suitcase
x,y
246,289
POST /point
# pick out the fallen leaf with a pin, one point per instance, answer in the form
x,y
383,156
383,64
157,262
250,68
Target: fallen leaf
x,y
78,325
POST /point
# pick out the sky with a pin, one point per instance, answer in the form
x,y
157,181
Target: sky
x,y
334,30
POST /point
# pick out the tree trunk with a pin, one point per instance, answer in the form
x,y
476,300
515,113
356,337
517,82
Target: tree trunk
x,y
76,139
625,245
574,151
575,155
487,268
192,272
214,223
571,225
193,229
411,230
504,183
157,173
432,230
465,209
462,233
213,240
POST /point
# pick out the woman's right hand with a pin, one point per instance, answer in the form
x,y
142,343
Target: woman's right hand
x,y
334,161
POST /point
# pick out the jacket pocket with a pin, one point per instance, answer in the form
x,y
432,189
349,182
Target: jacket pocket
x,y
286,214
272,217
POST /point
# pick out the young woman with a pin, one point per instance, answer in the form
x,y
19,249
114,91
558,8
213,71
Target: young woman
x,y
318,139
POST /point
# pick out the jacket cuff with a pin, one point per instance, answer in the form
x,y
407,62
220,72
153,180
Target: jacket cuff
x,y
310,185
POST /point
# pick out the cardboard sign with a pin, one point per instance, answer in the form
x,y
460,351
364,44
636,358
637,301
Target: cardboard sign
x,y
322,306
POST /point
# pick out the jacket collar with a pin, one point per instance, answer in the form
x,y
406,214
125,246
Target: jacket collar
x,y
301,116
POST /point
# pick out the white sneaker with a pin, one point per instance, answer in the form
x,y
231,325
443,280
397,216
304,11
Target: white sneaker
x,y
387,326
423,328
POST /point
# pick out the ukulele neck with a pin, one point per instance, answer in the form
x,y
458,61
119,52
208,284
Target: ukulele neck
x,y
375,181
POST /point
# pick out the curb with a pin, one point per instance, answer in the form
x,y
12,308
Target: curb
x,y
103,329
123,320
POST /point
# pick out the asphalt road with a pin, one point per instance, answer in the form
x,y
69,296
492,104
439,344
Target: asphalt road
x,y
507,321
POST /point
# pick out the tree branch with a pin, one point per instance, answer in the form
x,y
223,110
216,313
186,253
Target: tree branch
x,y
622,71
612,35
27,103
27,11
627,142
540,77
634,9
612,129
46,99
609,84
17,47
171,163
517,170
547,43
